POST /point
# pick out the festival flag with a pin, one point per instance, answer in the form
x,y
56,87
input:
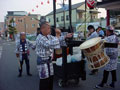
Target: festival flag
x,y
65,7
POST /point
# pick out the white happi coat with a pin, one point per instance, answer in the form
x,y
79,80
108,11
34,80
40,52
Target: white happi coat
x,y
44,50
112,53
18,47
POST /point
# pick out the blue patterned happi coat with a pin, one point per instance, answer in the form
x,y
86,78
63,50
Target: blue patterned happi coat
x,y
112,53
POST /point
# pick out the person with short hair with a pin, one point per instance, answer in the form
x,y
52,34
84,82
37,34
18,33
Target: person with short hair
x,y
92,33
113,55
22,52
45,44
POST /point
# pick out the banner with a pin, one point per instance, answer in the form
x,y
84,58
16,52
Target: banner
x,y
65,7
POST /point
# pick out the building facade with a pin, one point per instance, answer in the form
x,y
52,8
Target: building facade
x,y
78,15
23,22
1,27
117,23
113,10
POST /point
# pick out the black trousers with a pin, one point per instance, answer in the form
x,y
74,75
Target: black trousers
x,y
46,84
24,57
106,74
83,56
94,71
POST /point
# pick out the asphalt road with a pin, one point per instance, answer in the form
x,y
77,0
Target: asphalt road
x,y
10,81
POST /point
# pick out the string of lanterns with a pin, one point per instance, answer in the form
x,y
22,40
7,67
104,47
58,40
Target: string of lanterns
x,y
42,3
36,7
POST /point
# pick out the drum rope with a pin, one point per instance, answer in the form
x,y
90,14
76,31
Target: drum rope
x,y
97,52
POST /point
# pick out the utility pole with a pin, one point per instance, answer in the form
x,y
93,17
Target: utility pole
x,y
54,12
70,17
13,27
64,14
85,18
108,17
54,16
25,25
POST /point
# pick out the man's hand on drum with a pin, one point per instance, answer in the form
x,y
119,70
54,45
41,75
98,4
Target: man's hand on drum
x,y
69,35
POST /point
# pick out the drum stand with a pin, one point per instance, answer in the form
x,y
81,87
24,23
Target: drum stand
x,y
64,80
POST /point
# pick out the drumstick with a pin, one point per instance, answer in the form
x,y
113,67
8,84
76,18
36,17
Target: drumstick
x,y
19,62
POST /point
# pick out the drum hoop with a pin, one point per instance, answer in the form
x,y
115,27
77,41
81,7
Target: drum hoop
x,y
99,63
98,50
82,48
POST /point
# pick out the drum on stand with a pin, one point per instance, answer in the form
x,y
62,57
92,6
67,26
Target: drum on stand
x,y
94,51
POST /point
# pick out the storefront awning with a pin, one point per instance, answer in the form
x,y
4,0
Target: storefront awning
x,y
109,4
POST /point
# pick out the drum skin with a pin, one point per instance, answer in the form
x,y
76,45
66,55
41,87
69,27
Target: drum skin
x,y
92,49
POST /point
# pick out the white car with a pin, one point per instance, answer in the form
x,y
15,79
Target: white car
x,y
75,35
117,32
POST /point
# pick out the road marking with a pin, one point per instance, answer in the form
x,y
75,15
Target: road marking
x,y
8,44
0,48
0,51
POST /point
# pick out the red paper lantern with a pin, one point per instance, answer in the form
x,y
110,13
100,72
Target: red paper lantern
x,y
41,3
37,6
48,1
91,3
32,10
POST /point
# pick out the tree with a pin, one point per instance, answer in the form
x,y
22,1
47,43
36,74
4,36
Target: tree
x,y
12,30
102,18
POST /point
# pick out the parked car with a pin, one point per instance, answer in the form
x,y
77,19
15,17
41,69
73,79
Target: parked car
x,y
75,35
117,32
31,37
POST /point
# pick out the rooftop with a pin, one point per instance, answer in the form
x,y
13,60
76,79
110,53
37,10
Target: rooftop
x,y
109,4
20,13
61,9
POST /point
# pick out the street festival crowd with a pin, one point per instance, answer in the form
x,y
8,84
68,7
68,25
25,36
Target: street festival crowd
x,y
46,44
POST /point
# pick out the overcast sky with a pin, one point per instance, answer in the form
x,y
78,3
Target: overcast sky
x,y
28,5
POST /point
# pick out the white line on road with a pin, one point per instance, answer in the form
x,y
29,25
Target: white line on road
x,y
0,51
